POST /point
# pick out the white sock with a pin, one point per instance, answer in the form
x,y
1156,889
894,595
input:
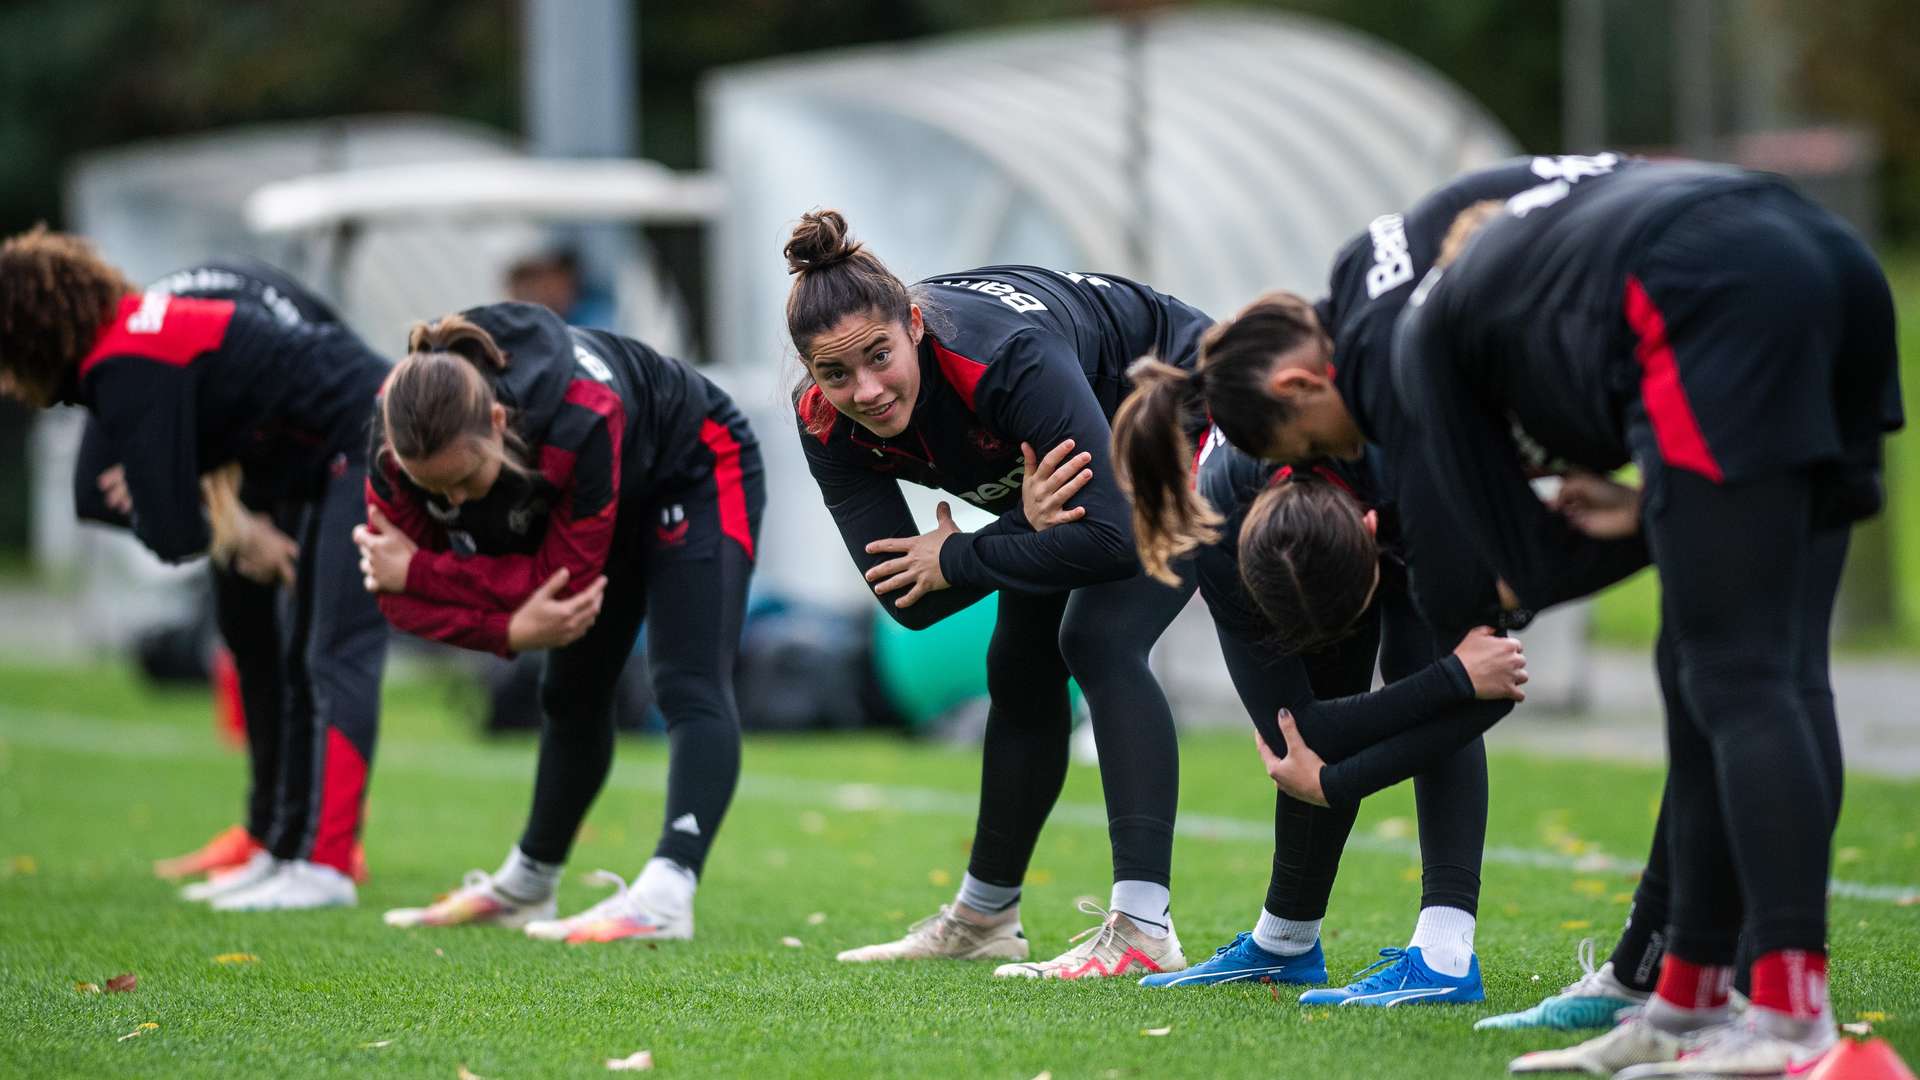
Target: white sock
x,y
1150,906
1444,936
667,883
986,899
1285,937
527,880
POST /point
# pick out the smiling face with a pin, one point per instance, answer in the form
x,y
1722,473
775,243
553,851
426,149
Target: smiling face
x,y
466,468
868,366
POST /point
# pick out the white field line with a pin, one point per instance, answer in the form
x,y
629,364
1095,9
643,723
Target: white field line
x,y
97,735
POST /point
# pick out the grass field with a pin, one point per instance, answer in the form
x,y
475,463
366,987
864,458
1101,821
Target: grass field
x,y
831,842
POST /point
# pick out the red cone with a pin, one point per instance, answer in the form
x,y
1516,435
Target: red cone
x,y
1873,1059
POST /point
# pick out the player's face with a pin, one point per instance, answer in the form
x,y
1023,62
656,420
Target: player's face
x,y
868,366
1319,425
466,468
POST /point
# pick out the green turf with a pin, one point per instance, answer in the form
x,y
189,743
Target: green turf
x,y
833,842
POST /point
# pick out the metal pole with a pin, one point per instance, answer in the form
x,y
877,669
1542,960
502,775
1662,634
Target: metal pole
x,y
1583,75
1139,143
1693,107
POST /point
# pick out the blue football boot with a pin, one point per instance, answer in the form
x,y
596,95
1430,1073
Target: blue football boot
x,y
1241,960
1402,977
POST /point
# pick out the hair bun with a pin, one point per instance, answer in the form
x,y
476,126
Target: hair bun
x,y
819,241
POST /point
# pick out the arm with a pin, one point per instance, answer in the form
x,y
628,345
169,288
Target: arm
x,y
147,412
868,507
1477,475
1037,393
583,461
453,624
89,499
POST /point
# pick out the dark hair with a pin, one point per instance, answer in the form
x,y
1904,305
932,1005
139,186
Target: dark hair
x,y
1152,453
56,293
835,276
1236,358
1150,457
443,390
1308,561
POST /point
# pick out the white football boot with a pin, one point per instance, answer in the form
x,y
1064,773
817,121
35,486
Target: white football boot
x,y
296,885
948,934
478,901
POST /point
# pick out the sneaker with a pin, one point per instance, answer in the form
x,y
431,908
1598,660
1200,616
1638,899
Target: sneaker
x,y
1741,1048
226,851
1402,977
1593,1000
1113,947
625,914
221,882
1631,1042
295,885
1243,960
475,901
949,935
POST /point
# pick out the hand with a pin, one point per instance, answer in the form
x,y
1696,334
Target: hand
x,y
1297,774
1496,666
113,488
1597,506
1050,482
1509,600
918,568
385,553
263,553
546,621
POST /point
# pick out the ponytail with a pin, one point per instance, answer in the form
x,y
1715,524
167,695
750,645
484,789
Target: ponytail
x,y
1151,456
442,390
226,517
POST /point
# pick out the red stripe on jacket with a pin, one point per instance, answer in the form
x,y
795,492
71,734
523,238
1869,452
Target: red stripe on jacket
x,y
155,326
1675,428
726,479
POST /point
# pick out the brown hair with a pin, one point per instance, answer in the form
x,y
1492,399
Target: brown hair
x,y
1308,561
834,276
1153,455
442,391
56,293
1467,225
1150,457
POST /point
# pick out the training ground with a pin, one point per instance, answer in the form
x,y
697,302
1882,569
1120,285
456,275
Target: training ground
x,y
832,842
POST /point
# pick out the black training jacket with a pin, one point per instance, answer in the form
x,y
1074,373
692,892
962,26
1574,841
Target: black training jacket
x,y
1372,280
1012,354
183,384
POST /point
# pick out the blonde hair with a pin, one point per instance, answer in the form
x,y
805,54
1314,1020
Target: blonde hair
x,y
226,515
1467,225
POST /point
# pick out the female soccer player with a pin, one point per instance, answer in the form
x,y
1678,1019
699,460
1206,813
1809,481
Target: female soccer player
x,y
958,383
1268,379
1274,523
537,486
246,586
180,386
1735,342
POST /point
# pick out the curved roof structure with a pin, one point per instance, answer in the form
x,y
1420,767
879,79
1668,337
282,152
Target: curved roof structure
x,y
1214,154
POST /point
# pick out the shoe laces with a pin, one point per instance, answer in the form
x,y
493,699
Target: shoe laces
x,y
1382,972
1102,933
1589,972
622,902
1232,945
935,926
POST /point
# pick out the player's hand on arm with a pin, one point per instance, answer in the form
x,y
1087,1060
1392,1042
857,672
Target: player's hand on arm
x,y
385,553
917,565
546,621
264,554
1297,774
113,488
1497,666
1052,481
1598,506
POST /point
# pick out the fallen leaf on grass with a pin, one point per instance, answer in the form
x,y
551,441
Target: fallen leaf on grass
x,y
236,958
816,918
87,987
1156,1031
466,1074
381,1045
791,942
24,865
139,1031
1874,1017
1577,924
1863,1030
1048,1075
939,877
634,1062
122,983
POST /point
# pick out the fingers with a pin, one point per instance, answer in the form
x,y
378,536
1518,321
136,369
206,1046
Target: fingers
x,y
378,519
1051,463
944,513
888,569
1290,732
551,587
898,581
1072,486
362,536
1267,756
1027,459
892,545
913,595
1480,631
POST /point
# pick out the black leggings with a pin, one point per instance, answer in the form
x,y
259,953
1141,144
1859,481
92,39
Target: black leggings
x,y
1100,635
1753,790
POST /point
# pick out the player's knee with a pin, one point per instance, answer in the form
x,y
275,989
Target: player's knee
x,y
1093,649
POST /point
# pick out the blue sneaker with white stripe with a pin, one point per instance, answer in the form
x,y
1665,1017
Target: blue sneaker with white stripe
x,y
1402,977
1242,960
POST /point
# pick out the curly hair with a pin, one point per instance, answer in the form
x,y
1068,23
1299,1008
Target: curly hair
x,y
56,293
